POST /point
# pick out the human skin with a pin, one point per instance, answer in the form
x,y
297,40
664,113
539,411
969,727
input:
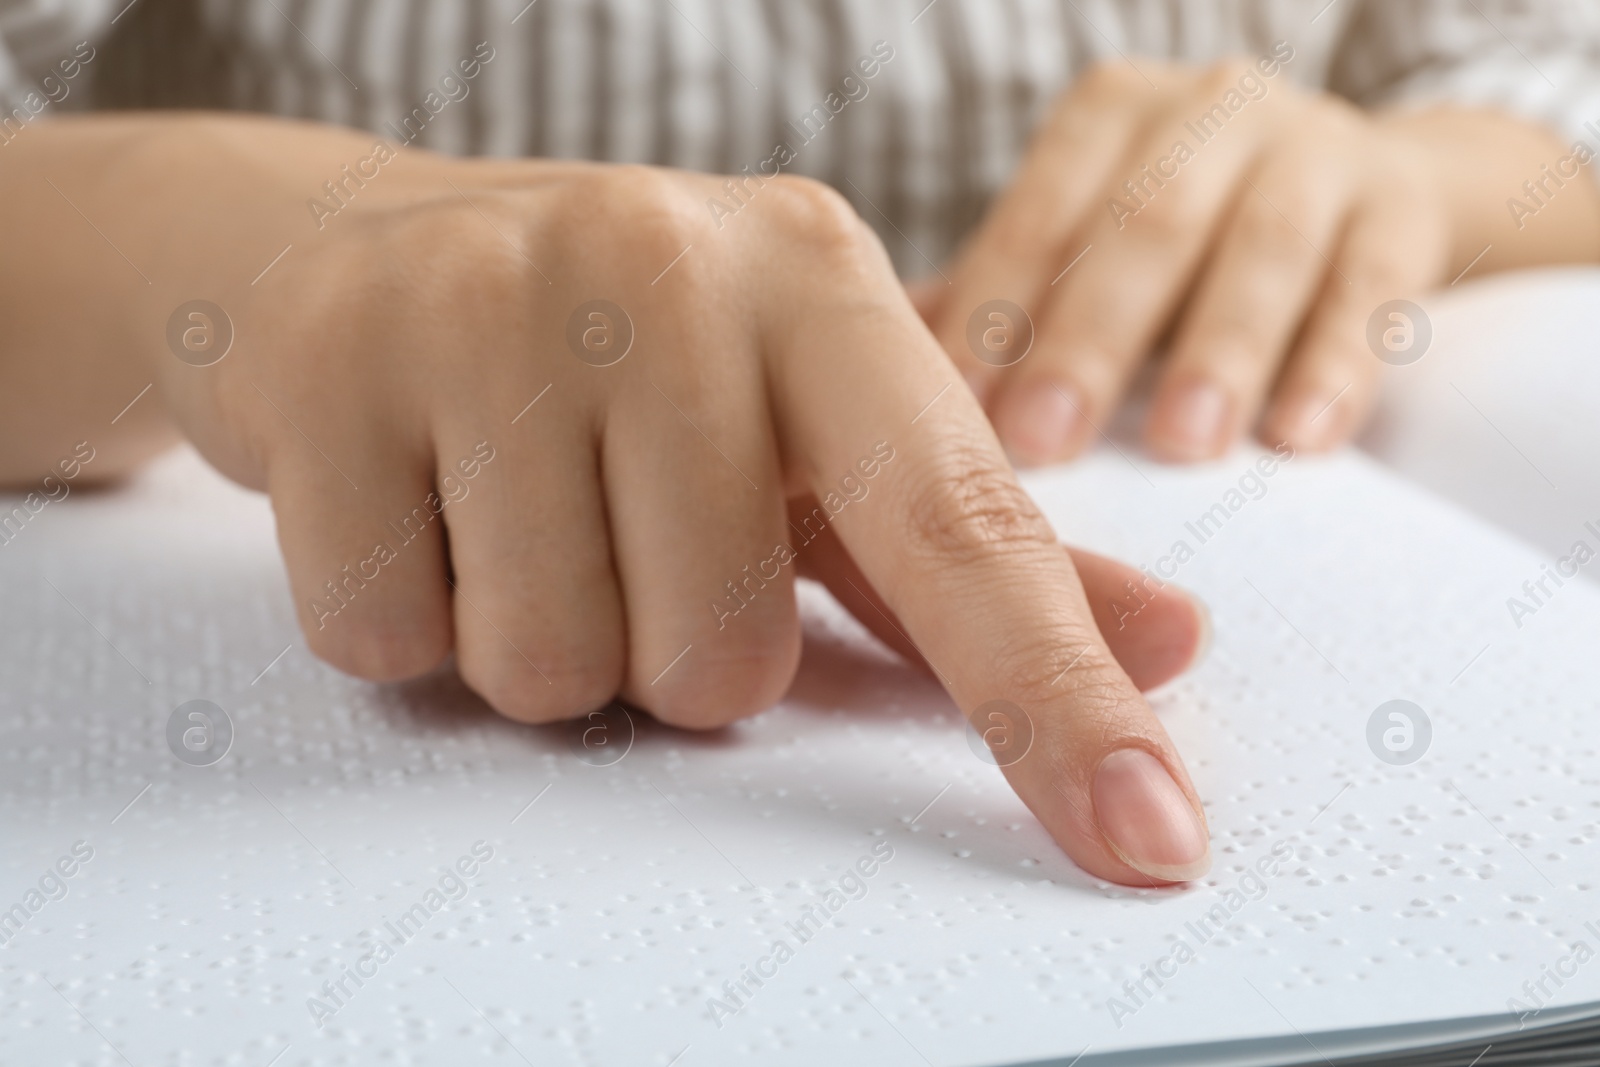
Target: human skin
x,y
1255,263
413,329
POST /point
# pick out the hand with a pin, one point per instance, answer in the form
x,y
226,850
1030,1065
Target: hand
x,y
465,452
1253,226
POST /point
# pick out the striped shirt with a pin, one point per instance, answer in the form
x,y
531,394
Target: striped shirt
x,y
920,144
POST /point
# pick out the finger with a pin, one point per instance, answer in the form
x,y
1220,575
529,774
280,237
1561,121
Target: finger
x,y
1256,290
371,599
1022,243
1157,214
538,615
695,495
825,560
1392,250
1155,631
960,553
928,296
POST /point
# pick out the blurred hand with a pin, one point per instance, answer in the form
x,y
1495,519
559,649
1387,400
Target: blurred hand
x,y
1252,226
634,425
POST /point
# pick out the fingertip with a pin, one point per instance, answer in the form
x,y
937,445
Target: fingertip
x,y
1190,422
1148,819
1040,421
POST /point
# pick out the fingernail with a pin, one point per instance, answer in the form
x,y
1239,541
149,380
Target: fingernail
x,y
1193,421
1147,818
1038,422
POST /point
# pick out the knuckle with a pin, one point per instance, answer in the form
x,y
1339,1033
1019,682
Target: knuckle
x,y
815,216
628,213
659,203
730,685
968,508
469,264
565,686
379,652
630,189
453,234
809,201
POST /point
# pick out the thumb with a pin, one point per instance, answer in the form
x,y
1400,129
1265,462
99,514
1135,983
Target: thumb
x,y
928,297
1156,632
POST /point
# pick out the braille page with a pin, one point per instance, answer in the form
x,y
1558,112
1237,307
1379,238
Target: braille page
x,y
394,874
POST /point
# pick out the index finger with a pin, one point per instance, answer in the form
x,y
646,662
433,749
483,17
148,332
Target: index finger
x,y
964,557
